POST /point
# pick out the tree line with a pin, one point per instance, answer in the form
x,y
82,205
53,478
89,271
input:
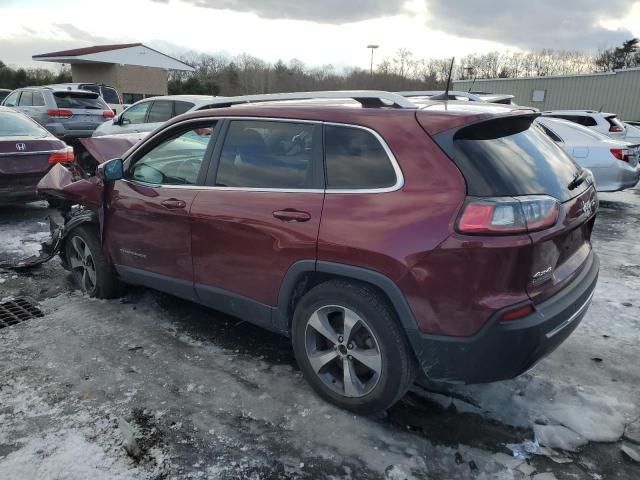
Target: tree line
x,y
245,74
12,78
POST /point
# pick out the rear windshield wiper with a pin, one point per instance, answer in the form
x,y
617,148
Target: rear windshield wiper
x,y
578,180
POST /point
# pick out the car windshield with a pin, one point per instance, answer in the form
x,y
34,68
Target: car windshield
x,y
88,100
15,125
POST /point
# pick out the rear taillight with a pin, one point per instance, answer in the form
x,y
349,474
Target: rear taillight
x,y
517,313
60,113
108,114
621,153
508,215
616,129
62,156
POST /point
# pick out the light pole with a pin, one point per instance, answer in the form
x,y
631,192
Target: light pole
x,y
372,47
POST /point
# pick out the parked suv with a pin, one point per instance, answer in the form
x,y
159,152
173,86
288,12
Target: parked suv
x,y
68,114
108,93
605,123
385,240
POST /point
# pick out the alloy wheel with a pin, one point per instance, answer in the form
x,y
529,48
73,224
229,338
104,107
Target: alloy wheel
x,y
343,351
82,264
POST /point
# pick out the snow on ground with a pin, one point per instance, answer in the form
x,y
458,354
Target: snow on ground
x,y
212,397
25,236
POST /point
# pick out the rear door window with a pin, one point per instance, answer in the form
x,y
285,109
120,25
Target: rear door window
x,y
88,100
160,111
512,156
26,99
355,159
268,154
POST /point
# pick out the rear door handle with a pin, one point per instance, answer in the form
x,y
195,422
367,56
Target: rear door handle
x,y
291,215
173,204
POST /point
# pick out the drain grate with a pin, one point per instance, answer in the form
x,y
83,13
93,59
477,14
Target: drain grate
x,y
18,310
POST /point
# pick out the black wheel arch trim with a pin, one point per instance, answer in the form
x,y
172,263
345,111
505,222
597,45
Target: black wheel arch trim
x,y
385,284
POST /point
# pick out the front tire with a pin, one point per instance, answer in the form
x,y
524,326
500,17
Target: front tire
x,y
350,347
90,269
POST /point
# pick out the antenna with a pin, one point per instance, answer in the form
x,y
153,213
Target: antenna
x,y
445,95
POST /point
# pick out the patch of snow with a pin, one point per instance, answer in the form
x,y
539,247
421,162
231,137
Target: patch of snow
x,y
65,454
558,437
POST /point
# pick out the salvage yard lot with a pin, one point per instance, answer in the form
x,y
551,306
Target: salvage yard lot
x,y
192,393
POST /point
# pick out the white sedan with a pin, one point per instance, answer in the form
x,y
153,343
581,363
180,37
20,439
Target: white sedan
x,y
614,163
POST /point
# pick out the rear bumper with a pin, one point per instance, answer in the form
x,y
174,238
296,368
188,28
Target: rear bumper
x,y
616,179
19,193
505,350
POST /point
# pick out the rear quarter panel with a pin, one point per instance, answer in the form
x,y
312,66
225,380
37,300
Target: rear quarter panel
x,y
394,233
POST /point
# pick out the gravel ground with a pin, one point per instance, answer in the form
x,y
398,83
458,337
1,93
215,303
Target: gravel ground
x,y
150,386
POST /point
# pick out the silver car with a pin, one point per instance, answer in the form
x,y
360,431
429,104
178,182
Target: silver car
x,y
614,163
68,114
148,114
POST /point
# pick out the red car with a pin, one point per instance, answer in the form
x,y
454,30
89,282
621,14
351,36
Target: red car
x,y
27,152
384,238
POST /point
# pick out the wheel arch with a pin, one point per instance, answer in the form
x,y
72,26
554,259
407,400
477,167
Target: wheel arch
x,y
84,218
305,274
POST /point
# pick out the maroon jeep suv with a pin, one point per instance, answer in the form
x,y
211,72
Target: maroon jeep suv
x,y
385,237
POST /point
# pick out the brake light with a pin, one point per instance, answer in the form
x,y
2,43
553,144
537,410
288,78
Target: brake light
x,y
616,129
621,153
60,113
508,215
108,114
62,156
517,313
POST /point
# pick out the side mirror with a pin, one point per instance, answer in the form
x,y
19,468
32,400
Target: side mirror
x,y
111,170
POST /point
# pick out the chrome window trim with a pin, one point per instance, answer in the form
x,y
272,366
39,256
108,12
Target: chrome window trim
x,y
391,157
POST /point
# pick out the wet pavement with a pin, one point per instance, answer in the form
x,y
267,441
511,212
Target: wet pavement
x,y
210,396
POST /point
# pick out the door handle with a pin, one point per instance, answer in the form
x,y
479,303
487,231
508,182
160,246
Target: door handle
x,y
291,215
173,203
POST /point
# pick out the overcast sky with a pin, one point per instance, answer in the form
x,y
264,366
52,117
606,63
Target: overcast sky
x,y
315,31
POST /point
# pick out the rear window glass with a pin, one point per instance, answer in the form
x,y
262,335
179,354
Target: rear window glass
x,y
15,125
507,157
110,95
355,159
87,100
183,107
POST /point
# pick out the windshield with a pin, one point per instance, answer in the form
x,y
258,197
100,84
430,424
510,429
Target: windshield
x,y
15,125
86,100
512,156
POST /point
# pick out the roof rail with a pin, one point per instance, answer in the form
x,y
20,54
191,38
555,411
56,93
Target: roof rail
x,y
430,93
367,98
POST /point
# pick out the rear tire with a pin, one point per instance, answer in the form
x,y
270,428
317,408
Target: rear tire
x,y
351,348
90,269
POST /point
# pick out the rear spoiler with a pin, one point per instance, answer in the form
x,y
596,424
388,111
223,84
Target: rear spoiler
x,y
446,138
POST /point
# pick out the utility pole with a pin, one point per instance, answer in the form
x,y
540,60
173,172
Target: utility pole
x,y
372,47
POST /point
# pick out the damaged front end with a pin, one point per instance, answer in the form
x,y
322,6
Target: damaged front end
x,y
77,194
79,200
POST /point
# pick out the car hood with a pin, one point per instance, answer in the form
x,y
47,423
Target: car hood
x,y
107,147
